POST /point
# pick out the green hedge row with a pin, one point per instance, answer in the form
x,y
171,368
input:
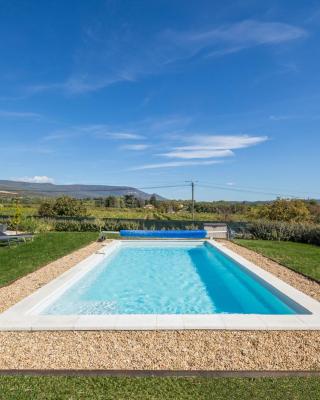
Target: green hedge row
x,y
295,232
92,226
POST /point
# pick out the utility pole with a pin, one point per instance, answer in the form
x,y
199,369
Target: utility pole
x,y
192,183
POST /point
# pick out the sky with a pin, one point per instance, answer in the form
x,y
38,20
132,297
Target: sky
x,y
156,93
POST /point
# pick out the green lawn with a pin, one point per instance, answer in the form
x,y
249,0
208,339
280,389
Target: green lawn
x,y
72,388
304,258
21,259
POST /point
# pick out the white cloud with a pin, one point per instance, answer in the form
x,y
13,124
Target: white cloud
x,y
190,154
136,147
175,164
282,117
221,142
125,56
123,135
208,147
99,131
19,114
36,179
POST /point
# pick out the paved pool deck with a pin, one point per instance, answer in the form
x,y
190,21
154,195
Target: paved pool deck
x,y
157,350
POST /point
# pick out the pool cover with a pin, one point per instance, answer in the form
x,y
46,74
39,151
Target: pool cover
x,y
185,234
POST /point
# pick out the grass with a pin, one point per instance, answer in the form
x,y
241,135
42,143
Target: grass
x,y
19,260
300,257
72,388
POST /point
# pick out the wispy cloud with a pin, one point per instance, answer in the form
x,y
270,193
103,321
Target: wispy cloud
x,y
106,59
19,115
123,136
221,142
282,117
99,131
35,179
208,147
174,164
198,154
136,147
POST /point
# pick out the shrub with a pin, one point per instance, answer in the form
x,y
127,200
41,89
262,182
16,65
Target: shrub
x,y
285,210
64,206
67,226
69,207
32,225
295,232
46,209
118,225
78,226
16,219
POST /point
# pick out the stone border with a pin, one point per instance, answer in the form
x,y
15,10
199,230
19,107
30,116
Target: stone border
x,y
157,350
25,314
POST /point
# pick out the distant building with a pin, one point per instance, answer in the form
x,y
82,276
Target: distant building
x,y
149,207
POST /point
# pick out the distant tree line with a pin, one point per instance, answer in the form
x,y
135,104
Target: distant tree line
x,y
279,210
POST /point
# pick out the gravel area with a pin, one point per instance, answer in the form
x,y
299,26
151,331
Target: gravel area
x,y
23,287
184,350
156,350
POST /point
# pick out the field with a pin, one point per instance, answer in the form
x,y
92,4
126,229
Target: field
x,y
67,388
130,213
303,258
19,260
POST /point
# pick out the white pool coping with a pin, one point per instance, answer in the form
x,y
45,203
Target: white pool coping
x,y
24,316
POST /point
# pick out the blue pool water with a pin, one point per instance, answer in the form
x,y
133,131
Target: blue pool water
x,y
148,278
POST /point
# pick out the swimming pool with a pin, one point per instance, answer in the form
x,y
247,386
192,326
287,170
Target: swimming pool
x,y
153,278
173,284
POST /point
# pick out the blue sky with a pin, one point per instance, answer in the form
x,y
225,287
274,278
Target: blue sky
x,y
148,93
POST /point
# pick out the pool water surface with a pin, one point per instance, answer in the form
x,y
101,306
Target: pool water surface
x,y
170,278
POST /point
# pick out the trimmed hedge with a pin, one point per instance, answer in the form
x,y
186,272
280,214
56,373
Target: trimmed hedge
x,y
94,226
294,232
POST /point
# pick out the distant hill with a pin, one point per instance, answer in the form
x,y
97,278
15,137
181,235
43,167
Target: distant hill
x,y
77,191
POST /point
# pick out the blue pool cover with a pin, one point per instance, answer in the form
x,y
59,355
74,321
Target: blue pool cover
x,y
194,234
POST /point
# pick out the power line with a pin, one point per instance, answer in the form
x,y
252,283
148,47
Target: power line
x,y
246,190
253,189
203,184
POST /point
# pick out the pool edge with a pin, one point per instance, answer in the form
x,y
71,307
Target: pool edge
x,y
19,317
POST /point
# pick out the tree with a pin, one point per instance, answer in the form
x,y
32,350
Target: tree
x,y
153,200
130,201
111,202
17,216
46,209
285,210
69,207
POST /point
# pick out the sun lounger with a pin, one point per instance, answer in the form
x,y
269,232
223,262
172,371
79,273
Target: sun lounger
x,y
8,239
3,228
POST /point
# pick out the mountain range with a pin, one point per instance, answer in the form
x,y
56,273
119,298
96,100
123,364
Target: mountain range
x,y
76,190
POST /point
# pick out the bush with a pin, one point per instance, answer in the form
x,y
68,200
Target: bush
x,y
64,206
78,226
46,209
32,225
295,232
119,225
69,207
285,210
